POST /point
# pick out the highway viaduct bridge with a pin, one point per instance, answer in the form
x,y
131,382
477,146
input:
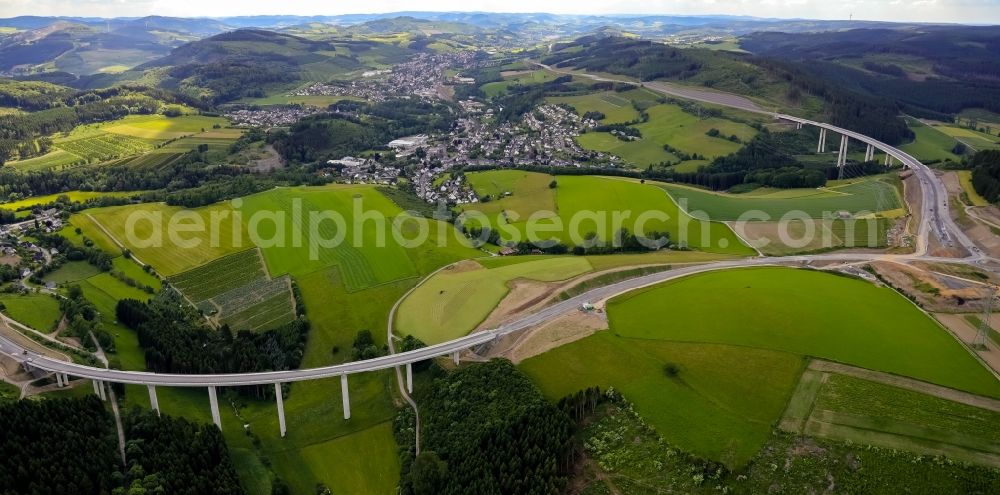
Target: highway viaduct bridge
x,y
934,218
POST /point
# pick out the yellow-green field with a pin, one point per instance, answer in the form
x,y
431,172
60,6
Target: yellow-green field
x,y
144,229
72,195
965,178
162,127
454,301
130,136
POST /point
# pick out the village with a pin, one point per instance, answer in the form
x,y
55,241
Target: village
x,y
419,77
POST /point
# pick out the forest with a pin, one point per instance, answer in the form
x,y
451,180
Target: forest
x,y
964,58
176,339
986,174
642,59
485,428
335,135
58,446
69,446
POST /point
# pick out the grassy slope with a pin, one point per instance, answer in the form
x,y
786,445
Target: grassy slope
x,y
837,318
861,196
72,272
603,195
738,368
850,408
169,257
721,405
668,124
362,259
615,108
929,143
38,311
450,305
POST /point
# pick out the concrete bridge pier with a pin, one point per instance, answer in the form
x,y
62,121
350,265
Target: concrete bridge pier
x,y
870,153
821,146
888,160
345,397
842,156
59,380
455,357
153,403
281,409
99,389
409,378
213,400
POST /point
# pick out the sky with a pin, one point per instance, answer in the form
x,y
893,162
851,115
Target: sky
x,y
960,11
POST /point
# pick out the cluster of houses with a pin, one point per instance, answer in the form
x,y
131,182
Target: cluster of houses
x,y
453,190
365,170
272,116
419,77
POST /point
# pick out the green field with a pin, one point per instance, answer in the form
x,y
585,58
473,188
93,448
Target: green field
x,y
104,291
809,322
71,272
860,196
38,311
737,367
929,144
530,192
852,409
89,230
456,300
55,159
362,259
615,108
669,124
500,87
721,405
588,204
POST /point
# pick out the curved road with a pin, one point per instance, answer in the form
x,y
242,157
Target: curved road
x,y
934,217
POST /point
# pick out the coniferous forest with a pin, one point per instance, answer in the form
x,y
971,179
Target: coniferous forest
x,y
70,446
486,428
